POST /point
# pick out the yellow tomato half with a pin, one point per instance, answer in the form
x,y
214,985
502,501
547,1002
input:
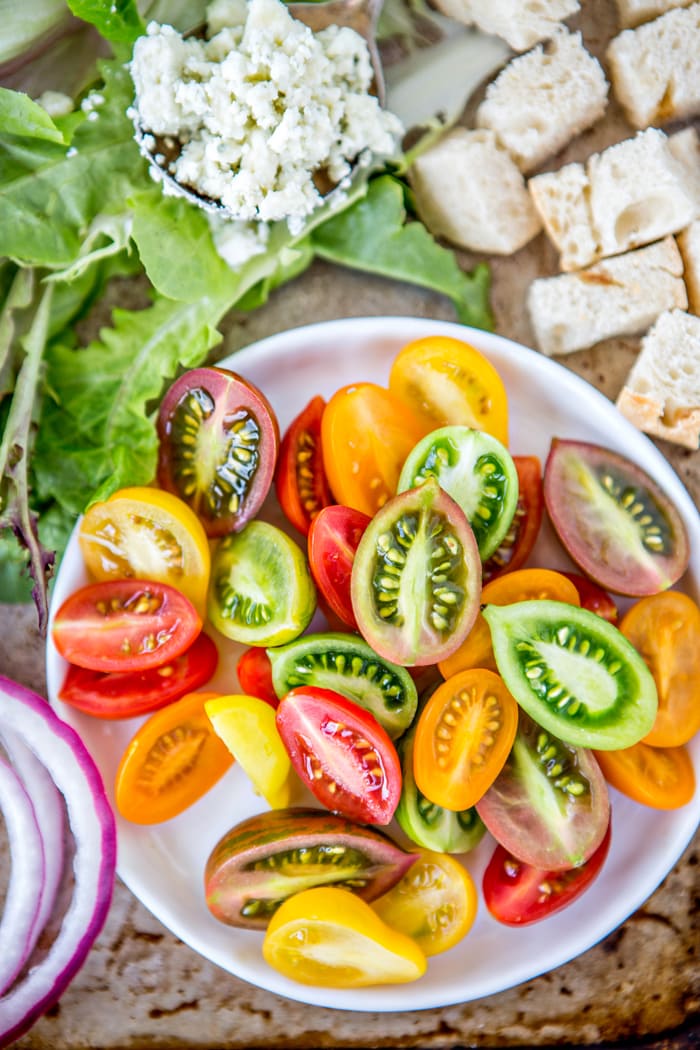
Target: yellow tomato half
x,y
146,533
328,936
435,902
247,727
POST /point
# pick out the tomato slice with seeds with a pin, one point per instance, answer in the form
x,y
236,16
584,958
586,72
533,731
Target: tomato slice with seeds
x,y
300,477
660,777
127,694
341,753
518,894
334,537
517,545
519,586
173,759
366,434
145,533
218,443
665,629
125,625
447,381
463,737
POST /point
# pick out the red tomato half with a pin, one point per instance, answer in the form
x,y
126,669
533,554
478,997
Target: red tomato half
x,y
517,894
255,675
126,694
125,625
333,538
300,478
341,753
521,537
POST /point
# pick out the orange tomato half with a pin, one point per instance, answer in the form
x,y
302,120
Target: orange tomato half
x,y
520,586
665,629
174,758
660,777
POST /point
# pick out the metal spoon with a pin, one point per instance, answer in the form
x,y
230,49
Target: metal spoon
x,y
360,15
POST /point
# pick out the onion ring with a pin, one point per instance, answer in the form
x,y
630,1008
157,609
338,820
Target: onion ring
x,y
91,820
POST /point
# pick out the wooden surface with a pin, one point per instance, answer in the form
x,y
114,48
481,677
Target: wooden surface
x,y
141,987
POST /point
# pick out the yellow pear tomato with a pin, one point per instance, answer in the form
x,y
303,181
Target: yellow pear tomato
x,y
247,726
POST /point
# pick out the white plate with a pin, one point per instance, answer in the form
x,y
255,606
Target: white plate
x,y
163,866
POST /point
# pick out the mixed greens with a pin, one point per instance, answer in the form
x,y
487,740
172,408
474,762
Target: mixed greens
x,y
78,212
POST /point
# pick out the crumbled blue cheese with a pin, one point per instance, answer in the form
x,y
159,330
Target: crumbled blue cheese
x,y
260,107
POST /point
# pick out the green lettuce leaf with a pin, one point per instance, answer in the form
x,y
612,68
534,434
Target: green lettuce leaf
x,y
20,115
374,236
118,21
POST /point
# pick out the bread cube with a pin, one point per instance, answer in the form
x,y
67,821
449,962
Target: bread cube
x,y
469,191
689,244
562,202
661,394
655,69
615,297
543,99
632,13
521,23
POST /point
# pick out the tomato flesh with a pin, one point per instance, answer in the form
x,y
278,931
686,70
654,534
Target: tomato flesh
x,y
254,672
463,737
341,753
218,444
518,543
127,694
593,597
300,477
172,760
334,536
125,625
660,777
518,894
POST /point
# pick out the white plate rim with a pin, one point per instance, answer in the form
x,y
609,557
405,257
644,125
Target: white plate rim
x,y
414,996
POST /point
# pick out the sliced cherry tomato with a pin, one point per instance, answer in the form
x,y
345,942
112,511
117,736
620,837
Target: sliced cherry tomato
x,y
665,629
254,672
463,737
125,625
435,902
517,893
334,536
126,694
476,470
330,937
614,520
549,805
150,535
270,856
300,477
219,439
448,382
573,672
366,434
593,597
660,777
174,758
341,753
517,545
262,592
416,578
519,586
247,727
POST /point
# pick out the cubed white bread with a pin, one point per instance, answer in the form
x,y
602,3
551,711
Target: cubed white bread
x,y
661,394
655,69
631,194
542,100
615,297
685,147
561,199
639,192
689,244
632,13
468,190
521,23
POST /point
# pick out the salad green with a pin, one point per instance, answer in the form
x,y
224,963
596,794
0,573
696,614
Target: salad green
x,y
78,212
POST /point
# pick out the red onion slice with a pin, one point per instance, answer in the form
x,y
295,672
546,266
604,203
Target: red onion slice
x,y
92,825
50,817
26,875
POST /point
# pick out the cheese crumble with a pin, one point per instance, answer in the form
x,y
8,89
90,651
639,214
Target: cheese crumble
x,y
261,107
